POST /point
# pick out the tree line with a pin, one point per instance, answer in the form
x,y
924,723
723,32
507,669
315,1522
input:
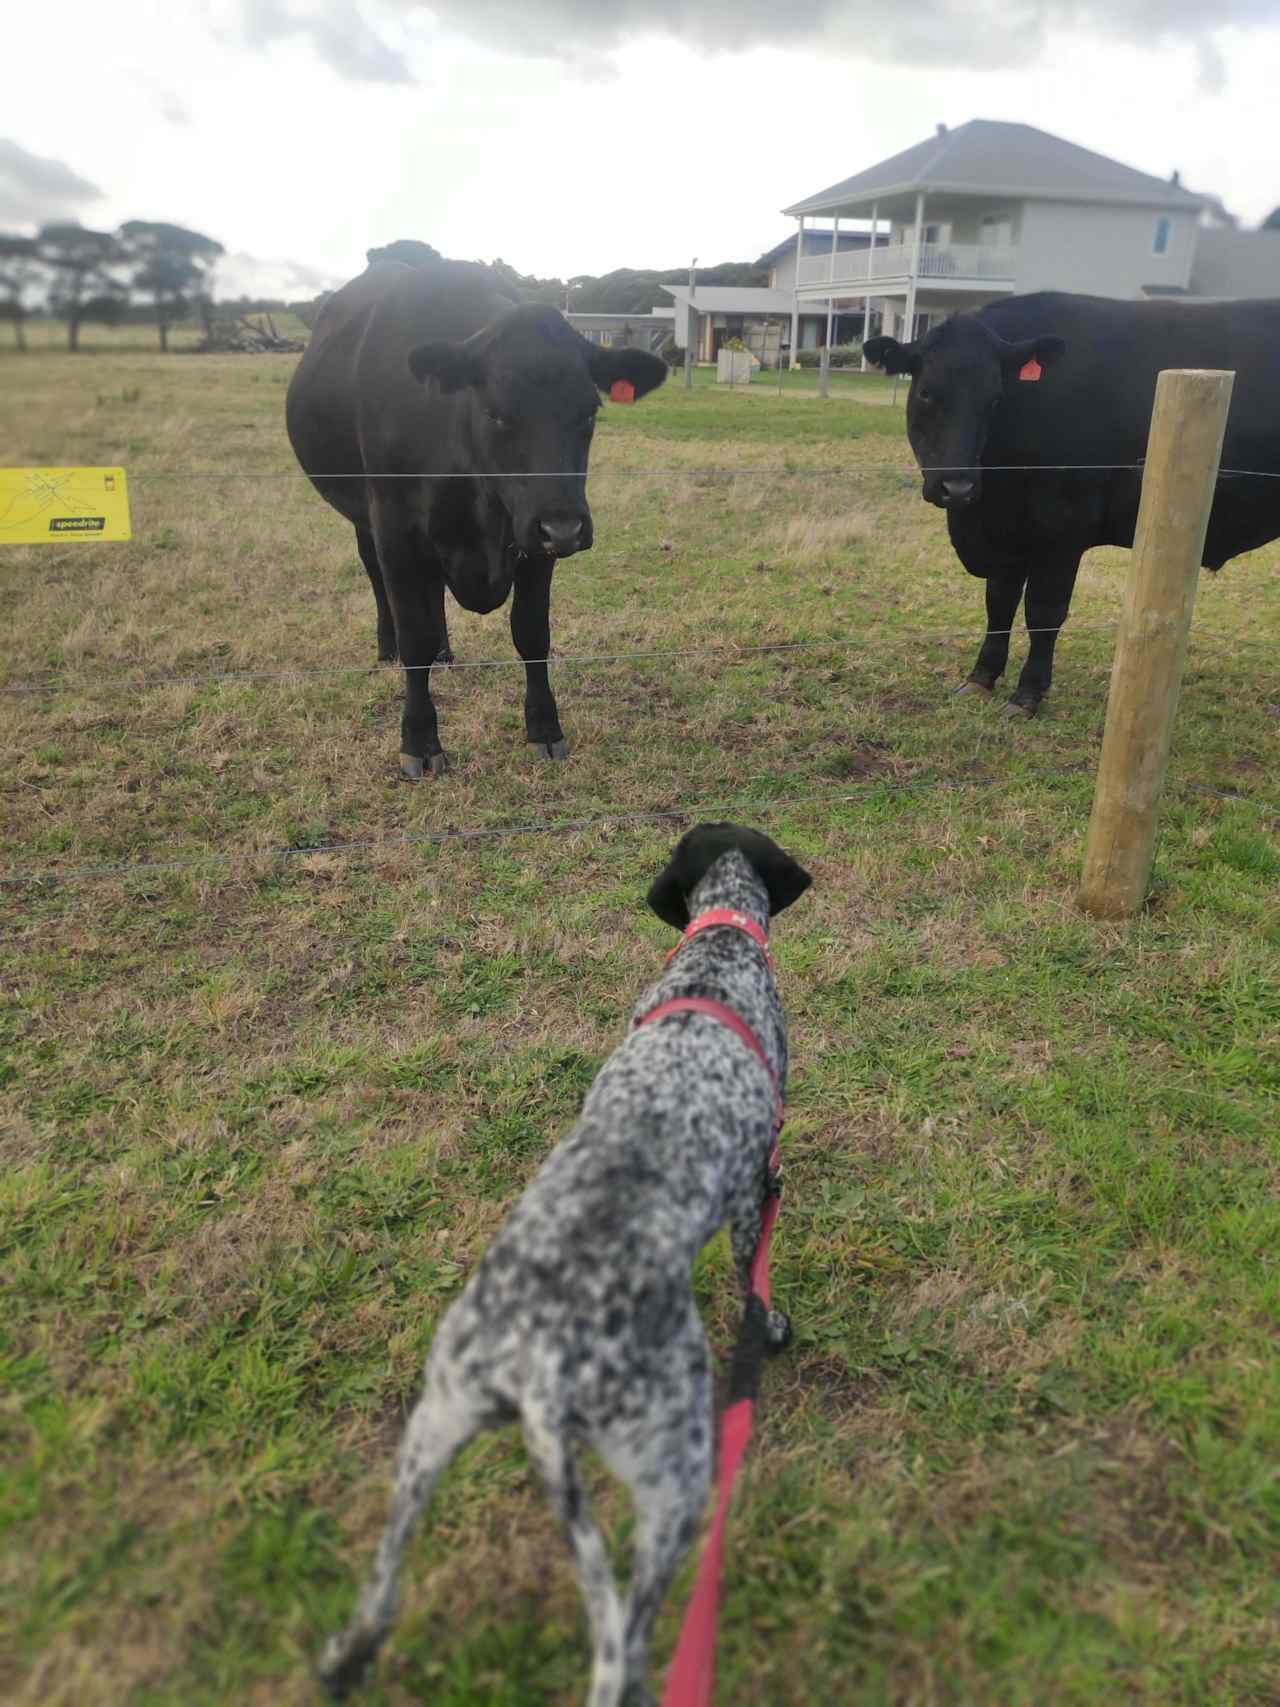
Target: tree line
x,y
626,290
81,276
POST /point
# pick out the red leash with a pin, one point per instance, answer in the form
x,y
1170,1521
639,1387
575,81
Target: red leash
x,y
691,1679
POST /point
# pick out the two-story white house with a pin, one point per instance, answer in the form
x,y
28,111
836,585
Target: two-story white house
x,y
987,210
762,316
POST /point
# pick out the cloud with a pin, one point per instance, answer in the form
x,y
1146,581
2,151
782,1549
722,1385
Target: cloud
x,y
290,281
336,29
34,189
981,34
349,35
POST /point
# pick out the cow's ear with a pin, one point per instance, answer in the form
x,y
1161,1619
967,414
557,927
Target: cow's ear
x,y
892,356
451,365
1046,350
637,367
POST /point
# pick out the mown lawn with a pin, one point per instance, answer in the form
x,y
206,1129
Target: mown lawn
x,y
259,1117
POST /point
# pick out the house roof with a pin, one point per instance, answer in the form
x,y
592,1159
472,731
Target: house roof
x,y
987,156
725,299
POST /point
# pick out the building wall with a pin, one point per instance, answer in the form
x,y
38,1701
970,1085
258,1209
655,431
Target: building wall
x,y
1102,251
961,216
1077,246
640,331
1236,264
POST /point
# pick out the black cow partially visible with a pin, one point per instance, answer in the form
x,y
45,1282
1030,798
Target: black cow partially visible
x,y
1036,382
452,428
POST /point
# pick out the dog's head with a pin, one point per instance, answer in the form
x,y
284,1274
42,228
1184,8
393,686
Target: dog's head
x,y
698,850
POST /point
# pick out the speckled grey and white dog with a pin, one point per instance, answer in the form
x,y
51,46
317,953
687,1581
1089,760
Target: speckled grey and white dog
x,y
579,1321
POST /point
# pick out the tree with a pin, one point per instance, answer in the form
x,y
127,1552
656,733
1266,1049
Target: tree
x,y
20,271
85,285
1272,221
171,265
525,286
630,290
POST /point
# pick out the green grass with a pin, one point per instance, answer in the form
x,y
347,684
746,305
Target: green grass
x,y
259,1119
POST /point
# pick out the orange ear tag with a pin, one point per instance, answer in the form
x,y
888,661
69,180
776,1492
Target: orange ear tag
x,y
1030,370
622,391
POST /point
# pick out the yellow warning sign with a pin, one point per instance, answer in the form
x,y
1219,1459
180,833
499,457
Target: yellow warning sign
x,y
42,506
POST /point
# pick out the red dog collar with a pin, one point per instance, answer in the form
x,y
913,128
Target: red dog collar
x,y
726,916
717,1010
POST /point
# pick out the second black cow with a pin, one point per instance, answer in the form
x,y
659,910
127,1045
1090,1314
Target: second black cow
x,y
452,428
1029,421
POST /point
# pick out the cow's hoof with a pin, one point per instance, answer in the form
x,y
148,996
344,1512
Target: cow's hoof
x,y
970,686
1016,709
412,768
551,749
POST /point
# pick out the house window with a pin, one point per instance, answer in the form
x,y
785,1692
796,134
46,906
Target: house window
x,y
1161,242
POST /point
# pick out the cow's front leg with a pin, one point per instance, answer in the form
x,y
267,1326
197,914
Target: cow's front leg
x,y
531,632
1004,594
1047,603
386,622
415,591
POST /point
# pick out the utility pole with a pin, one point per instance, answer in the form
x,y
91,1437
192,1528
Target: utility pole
x,y
692,322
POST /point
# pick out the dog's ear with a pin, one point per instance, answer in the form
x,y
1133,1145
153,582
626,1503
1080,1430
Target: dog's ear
x,y
785,878
667,897
694,855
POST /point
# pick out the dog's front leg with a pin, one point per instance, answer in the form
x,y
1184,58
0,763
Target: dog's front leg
x,y
744,1235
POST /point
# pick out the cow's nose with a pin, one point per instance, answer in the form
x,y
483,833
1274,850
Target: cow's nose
x,y
560,538
958,491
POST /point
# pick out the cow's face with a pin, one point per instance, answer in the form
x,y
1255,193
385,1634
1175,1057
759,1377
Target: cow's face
x,y
529,389
960,373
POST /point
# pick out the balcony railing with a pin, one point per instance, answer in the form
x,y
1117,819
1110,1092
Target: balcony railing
x,y
893,261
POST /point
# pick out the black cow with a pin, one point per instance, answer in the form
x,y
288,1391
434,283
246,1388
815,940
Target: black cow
x,y
453,427
1034,382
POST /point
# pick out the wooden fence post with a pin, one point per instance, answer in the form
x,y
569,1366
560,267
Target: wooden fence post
x,y
1185,443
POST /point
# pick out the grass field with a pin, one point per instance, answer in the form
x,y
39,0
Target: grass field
x,y
49,337
258,1118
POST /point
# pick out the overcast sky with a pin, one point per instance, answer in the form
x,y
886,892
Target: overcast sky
x,y
573,136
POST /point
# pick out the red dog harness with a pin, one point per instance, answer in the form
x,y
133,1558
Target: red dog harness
x,y
692,1675
717,1010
